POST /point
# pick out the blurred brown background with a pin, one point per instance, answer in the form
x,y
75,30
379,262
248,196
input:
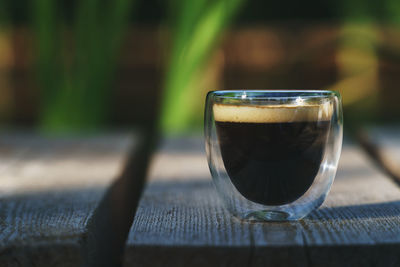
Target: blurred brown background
x,y
349,46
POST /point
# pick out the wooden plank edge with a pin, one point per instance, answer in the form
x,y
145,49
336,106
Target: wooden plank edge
x,y
374,151
108,228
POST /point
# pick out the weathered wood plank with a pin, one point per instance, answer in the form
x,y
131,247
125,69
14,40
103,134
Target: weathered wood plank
x,y
180,220
359,224
49,189
111,222
383,146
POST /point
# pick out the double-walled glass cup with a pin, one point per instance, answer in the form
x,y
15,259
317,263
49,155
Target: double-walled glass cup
x,y
273,154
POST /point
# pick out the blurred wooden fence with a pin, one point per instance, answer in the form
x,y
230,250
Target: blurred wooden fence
x,y
286,56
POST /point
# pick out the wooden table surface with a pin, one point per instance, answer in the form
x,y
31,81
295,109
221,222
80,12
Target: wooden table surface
x,y
181,222
50,190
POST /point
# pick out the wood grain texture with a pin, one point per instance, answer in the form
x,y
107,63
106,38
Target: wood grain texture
x,y
383,146
110,224
181,222
49,189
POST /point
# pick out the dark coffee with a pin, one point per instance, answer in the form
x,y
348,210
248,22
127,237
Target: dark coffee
x,y
272,162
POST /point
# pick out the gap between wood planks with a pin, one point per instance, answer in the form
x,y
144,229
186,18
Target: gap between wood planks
x,y
108,228
376,153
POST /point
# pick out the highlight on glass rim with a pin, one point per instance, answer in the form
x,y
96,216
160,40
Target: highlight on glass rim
x,y
199,133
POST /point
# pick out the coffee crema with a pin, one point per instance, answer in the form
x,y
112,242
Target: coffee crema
x,y
272,153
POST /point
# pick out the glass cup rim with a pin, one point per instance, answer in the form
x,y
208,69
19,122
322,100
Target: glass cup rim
x,y
260,94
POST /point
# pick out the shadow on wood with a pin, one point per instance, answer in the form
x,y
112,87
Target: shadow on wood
x,y
110,224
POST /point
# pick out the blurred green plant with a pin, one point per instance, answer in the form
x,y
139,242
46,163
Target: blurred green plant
x,y
76,65
196,29
392,11
3,14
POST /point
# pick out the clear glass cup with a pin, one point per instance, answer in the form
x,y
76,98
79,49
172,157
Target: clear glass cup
x,y
273,154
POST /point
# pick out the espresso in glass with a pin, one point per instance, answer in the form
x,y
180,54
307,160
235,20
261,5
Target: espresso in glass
x,y
273,153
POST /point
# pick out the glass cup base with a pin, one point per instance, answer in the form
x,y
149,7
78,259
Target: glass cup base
x,y
267,215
